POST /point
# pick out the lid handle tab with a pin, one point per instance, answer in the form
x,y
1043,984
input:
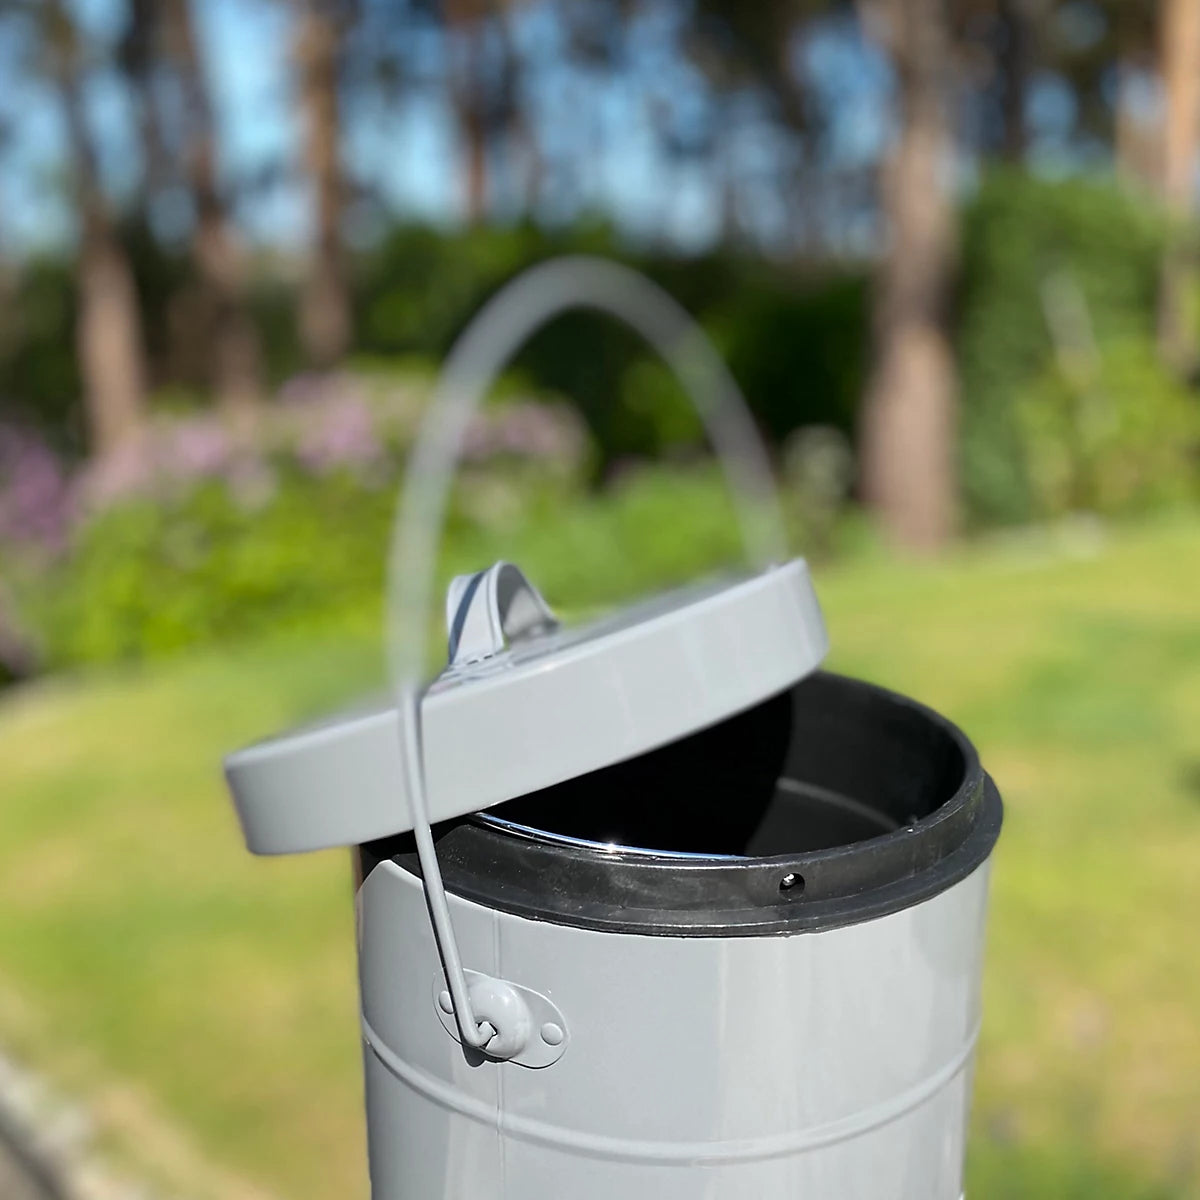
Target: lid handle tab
x,y
488,610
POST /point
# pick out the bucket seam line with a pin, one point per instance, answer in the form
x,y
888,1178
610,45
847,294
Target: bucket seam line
x,y
593,1145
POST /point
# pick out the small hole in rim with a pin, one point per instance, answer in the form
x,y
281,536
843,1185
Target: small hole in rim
x,y
792,882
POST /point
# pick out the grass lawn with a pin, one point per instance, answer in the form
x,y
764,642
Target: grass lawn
x,y
204,1001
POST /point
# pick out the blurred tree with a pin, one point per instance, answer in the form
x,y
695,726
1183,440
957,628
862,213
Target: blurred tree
x,y
589,54
751,48
138,57
520,129
468,93
908,419
1015,64
1179,64
325,312
236,352
747,45
1137,141
1142,63
108,328
1101,53
477,74
1000,44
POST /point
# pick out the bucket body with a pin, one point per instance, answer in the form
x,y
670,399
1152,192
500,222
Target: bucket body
x,y
783,1004
717,918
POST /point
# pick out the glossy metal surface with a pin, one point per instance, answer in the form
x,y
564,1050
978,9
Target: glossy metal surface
x,y
543,710
668,1088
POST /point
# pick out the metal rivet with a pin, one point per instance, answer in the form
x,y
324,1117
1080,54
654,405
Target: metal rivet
x,y
444,1002
552,1034
791,880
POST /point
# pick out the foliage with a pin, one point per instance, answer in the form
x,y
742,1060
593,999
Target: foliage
x,y
40,384
795,339
1127,438
1019,233
818,470
204,532
240,543
33,512
203,538
148,577
39,376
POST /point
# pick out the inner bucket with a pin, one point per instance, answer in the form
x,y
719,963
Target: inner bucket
x,y
815,767
831,803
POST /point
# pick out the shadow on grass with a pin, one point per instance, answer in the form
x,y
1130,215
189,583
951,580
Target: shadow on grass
x,y
1189,777
999,1171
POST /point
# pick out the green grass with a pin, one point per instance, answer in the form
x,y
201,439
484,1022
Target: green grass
x,y
148,962
1076,669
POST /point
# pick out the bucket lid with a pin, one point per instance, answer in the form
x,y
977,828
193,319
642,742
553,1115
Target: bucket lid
x,y
526,703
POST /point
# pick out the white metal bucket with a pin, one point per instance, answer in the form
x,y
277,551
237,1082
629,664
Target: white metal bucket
x,y
731,1035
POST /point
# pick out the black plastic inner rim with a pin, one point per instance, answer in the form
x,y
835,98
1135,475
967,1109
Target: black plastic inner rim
x,y
830,803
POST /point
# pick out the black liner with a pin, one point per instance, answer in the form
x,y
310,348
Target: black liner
x,y
882,804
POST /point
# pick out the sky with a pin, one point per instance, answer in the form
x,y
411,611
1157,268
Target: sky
x,y
408,152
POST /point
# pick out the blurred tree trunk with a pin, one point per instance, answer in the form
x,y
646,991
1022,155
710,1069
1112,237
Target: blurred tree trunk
x,y
1014,64
908,423
529,150
1137,144
108,328
1137,136
137,55
513,128
1179,55
236,349
325,318
533,165
463,19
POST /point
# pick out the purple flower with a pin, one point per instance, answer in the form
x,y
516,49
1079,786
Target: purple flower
x,y
341,432
195,449
169,457
127,471
533,431
34,498
321,423
309,387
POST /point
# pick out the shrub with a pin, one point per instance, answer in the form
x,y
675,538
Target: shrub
x,y
794,338
200,533
1122,439
1019,232
147,577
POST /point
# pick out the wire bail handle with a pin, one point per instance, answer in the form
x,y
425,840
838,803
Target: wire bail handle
x,y
481,351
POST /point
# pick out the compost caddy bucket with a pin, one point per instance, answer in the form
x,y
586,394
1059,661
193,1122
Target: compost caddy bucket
x,y
650,909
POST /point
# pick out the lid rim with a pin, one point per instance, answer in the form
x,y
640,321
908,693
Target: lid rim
x,y
806,916
665,894
549,713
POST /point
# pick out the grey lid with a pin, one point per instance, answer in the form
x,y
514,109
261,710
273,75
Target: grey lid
x,y
526,704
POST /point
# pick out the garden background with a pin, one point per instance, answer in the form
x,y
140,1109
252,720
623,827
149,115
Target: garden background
x,y
949,249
